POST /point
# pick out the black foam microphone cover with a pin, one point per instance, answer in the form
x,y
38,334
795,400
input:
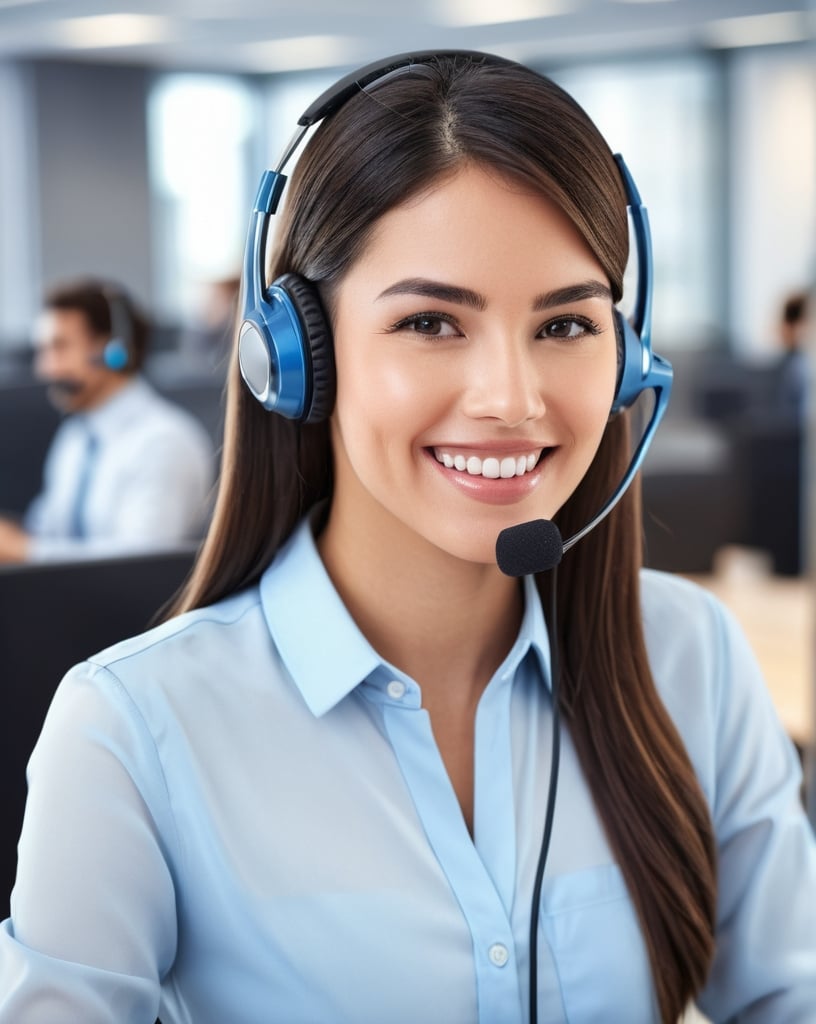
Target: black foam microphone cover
x,y
529,547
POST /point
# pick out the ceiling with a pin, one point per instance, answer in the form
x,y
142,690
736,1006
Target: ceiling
x,y
286,35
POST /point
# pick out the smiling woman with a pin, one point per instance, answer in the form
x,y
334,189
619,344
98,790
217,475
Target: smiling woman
x,y
317,792
514,356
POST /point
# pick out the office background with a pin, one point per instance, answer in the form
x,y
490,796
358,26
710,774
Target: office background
x,y
132,143
132,138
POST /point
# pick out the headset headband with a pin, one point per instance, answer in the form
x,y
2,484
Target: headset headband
x,y
273,181
641,369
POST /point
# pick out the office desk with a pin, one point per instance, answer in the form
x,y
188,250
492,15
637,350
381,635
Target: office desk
x,y
777,614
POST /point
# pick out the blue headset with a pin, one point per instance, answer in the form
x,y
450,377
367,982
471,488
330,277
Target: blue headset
x,y
117,353
285,349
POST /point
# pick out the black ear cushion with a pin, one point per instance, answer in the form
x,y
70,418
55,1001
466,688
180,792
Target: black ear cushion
x,y
620,340
320,354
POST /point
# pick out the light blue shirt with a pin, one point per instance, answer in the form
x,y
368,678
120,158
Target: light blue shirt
x,y
242,816
147,488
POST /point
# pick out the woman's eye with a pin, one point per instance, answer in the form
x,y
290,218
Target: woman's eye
x,y
428,324
569,327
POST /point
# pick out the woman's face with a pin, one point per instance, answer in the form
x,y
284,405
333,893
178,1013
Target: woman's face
x,y
476,363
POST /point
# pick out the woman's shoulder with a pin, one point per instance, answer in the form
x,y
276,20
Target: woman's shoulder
x,y
679,613
705,670
692,635
167,688
183,655
210,622
688,636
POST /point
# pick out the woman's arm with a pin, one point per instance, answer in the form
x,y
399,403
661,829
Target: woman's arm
x,y
93,921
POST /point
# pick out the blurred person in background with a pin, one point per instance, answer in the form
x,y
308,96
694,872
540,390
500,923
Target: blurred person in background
x,y
793,383
127,470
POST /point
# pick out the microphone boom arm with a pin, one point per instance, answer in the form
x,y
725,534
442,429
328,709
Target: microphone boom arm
x,y
659,380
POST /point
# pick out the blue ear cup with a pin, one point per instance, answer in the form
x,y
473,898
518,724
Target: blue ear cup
x,y
285,351
116,355
633,367
641,369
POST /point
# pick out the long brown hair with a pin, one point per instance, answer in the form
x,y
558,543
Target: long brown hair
x,y
372,154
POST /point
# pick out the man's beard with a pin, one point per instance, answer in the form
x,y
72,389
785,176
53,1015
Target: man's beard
x,y
64,392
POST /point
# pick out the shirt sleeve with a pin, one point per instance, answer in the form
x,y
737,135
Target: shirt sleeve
x,y
764,971
92,929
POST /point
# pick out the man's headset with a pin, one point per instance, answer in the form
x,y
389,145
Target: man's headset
x,y
285,342
117,355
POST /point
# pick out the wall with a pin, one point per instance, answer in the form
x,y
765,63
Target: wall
x,y
19,218
91,143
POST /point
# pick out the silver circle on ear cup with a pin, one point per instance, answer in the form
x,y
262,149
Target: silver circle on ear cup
x,y
255,362
272,355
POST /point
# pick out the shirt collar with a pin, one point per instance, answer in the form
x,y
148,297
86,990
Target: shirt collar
x,y
319,642
127,402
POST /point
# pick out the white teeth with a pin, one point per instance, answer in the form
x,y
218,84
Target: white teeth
x,y
492,468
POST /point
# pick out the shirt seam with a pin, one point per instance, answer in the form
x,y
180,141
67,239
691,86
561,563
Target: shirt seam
x,y
183,628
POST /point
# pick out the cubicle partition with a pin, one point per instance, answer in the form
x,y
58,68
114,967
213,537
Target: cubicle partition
x,y
27,424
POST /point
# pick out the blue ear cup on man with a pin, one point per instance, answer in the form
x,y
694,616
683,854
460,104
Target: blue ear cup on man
x,y
116,355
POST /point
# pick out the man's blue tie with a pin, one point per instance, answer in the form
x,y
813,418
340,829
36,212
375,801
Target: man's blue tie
x,y
78,525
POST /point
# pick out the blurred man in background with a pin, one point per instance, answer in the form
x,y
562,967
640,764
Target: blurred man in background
x,y
127,471
794,366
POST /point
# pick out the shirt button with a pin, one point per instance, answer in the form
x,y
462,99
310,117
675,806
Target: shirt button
x,y
396,689
498,954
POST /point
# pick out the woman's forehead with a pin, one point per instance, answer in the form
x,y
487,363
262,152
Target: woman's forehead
x,y
479,222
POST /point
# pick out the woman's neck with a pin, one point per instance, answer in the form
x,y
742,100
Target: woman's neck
x,y
445,622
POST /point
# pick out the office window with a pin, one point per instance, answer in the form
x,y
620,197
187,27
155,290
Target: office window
x,y
664,117
286,97
19,278
773,193
201,130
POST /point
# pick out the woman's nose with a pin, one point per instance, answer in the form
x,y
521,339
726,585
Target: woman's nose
x,y
505,383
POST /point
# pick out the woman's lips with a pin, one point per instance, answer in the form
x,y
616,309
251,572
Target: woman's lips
x,y
493,467
491,487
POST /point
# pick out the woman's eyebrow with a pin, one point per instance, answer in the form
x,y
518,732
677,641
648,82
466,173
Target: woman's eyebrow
x,y
436,290
467,297
572,293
